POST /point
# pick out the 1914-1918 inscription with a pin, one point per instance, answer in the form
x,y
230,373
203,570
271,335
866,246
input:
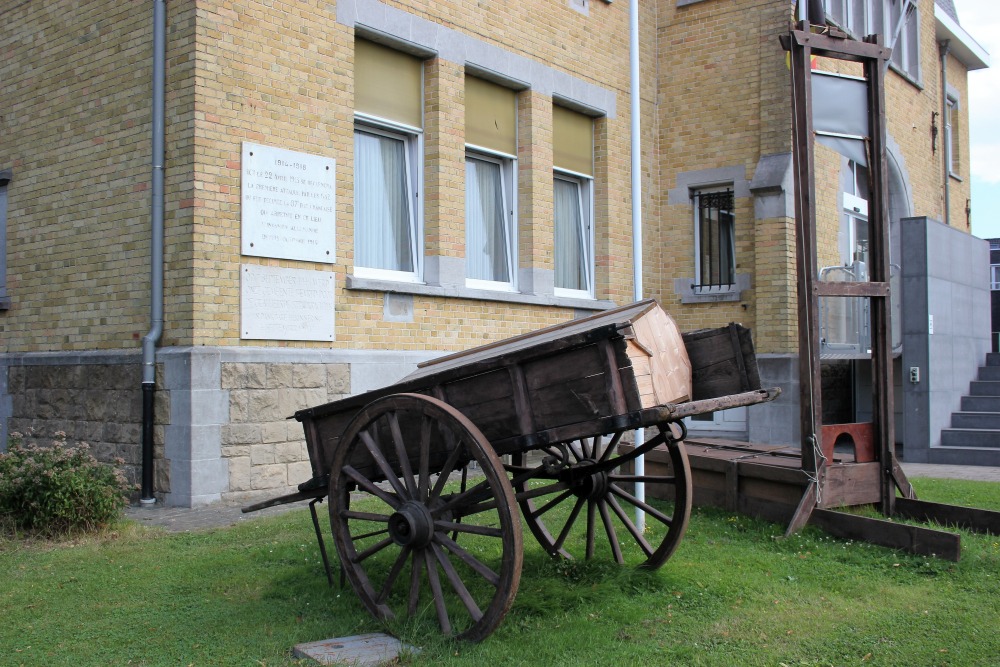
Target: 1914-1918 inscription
x,y
288,204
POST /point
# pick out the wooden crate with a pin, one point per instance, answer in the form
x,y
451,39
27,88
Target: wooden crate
x,y
723,362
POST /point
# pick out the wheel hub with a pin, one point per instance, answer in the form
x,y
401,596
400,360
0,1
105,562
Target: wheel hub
x,y
411,525
591,486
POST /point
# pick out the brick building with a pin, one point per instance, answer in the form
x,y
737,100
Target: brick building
x,y
352,187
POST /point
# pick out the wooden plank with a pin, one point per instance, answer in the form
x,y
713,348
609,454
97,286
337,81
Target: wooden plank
x,y
846,289
617,317
851,484
804,511
913,539
969,518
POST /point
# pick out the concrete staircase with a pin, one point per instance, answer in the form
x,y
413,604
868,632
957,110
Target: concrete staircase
x,y
977,425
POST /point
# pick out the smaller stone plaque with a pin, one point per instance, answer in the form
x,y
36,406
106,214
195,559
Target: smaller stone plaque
x,y
286,304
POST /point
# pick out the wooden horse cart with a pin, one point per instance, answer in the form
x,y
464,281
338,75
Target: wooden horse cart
x,y
536,429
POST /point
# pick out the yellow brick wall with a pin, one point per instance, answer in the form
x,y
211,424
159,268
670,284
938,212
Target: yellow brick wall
x,y
75,108
723,103
290,67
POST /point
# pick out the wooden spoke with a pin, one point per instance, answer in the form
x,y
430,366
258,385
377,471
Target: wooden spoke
x,y
478,508
646,479
435,582
472,495
383,464
569,523
397,567
406,439
552,503
591,530
471,529
404,460
365,516
609,528
644,506
416,565
374,533
446,470
611,447
457,584
629,526
372,550
467,558
367,485
426,424
541,491
559,501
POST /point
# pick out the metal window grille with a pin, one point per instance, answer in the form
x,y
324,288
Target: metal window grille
x,y
715,240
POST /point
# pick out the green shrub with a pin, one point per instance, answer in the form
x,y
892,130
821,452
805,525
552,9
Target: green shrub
x,y
58,489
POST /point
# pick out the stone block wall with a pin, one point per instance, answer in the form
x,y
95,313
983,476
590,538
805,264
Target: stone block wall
x,y
265,450
95,400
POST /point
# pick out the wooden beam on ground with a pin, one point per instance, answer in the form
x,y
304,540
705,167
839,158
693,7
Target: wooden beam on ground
x,y
969,518
913,539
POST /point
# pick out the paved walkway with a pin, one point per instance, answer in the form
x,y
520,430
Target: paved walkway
x,y
181,519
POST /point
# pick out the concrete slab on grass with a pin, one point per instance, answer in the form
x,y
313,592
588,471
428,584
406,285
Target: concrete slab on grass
x,y
358,651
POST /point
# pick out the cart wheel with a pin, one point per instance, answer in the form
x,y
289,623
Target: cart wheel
x,y
557,493
401,450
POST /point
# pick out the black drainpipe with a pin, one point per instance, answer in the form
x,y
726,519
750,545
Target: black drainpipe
x,y
150,340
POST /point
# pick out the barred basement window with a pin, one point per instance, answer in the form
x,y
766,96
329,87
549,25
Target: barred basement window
x,y
714,240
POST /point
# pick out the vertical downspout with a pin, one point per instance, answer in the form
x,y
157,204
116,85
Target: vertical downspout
x,y
945,49
150,340
635,102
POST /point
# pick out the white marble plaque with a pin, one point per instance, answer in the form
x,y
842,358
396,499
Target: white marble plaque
x,y
286,304
288,204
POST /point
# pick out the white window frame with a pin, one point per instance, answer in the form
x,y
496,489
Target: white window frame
x,y
585,184
903,48
698,287
508,187
950,137
412,138
995,276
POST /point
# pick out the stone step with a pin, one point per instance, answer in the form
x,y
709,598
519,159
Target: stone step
x,y
989,373
993,358
981,404
970,437
977,420
984,388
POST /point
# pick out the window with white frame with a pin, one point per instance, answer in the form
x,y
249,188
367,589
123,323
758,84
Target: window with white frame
x,y
714,239
951,135
995,276
388,157
573,202
574,264
385,233
896,20
904,25
488,234
858,17
491,147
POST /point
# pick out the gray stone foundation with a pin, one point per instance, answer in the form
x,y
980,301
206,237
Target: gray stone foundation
x,y
222,428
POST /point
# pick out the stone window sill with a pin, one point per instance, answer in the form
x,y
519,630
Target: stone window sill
x,y
461,292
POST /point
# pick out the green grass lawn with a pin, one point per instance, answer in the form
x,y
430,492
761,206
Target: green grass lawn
x,y
735,593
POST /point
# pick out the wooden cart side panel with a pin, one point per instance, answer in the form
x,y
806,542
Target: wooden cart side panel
x,y
487,400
